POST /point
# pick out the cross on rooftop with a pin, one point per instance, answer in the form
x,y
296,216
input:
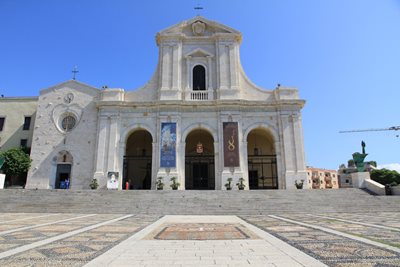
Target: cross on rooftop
x,y
74,71
198,8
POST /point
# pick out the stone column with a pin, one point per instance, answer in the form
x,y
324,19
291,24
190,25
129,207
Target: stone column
x,y
243,153
102,148
121,153
223,66
165,67
176,68
154,162
298,139
188,73
232,67
180,163
112,148
217,167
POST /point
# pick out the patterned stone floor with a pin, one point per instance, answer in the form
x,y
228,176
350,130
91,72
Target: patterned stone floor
x,y
201,231
336,250
40,236
76,250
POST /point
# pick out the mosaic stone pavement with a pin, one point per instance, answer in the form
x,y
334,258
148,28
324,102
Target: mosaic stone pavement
x,y
336,250
76,250
201,231
101,232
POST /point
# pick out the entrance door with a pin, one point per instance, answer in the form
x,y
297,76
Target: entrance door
x,y
263,172
63,176
253,179
200,175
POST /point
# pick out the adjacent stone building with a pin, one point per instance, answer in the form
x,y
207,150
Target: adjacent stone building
x,y
199,119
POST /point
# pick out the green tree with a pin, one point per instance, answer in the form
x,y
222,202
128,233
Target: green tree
x,y
16,162
385,176
373,163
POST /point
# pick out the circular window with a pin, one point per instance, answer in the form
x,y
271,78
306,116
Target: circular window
x,y
68,123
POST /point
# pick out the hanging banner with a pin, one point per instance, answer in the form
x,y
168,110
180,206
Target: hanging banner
x,y
168,145
231,144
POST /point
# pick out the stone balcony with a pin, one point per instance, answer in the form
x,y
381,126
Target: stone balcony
x,y
199,95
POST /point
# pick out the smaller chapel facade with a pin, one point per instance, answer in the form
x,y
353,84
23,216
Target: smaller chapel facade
x,y
199,119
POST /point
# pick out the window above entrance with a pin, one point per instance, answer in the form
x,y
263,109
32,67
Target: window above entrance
x,y
199,75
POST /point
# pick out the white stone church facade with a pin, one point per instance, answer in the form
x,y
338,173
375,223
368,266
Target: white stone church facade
x,y
199,119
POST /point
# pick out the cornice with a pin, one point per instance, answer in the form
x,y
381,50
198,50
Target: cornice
x,y
214,104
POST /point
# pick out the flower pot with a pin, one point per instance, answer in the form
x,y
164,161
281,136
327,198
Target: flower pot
x,y
174,188
240,188
229,188
159,188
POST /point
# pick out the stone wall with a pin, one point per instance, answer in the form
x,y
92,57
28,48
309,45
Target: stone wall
x,y
49,139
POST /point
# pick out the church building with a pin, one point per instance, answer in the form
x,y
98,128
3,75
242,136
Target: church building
x,y
199,119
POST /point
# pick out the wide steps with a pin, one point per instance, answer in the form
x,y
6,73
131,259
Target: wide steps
x,y
194,202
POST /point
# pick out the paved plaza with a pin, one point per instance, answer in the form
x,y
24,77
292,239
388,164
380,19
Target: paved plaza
x,y
287,239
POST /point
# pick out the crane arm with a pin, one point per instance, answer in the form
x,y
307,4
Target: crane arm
x,y
393,128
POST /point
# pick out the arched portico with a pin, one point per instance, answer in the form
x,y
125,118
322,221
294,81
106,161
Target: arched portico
x,y
262,160
138,158
199,160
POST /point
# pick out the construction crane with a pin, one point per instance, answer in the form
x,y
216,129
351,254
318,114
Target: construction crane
x,y
393,128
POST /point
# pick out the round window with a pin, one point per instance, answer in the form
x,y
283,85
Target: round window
x,y
68,123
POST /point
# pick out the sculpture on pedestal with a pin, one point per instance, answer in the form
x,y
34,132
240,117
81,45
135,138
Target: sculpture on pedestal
x,y
359,158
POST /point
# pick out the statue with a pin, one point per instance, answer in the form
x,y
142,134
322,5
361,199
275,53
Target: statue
x,y
359,158
363,147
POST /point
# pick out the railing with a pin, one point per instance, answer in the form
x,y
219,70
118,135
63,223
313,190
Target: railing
x,y
199,95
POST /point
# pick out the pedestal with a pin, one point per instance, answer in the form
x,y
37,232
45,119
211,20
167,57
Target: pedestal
x,y
358,179
2,180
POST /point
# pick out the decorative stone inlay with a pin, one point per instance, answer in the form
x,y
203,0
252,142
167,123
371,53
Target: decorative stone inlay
x,y
198,27
202,231
69,98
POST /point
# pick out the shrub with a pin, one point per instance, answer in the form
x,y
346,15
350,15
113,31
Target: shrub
x,y
385,176
16,162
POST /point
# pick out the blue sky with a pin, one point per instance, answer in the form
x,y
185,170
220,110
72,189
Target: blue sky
x,y
343,56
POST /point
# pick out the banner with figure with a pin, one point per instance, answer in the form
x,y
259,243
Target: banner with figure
x,y
168,145
231,144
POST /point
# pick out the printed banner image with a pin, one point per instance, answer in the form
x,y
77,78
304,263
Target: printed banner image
x,y
231,144
168,145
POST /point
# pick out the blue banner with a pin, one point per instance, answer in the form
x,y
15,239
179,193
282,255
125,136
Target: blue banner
x,y
168,145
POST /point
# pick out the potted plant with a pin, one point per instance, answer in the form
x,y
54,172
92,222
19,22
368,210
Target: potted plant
x,y
159,183
228,185
174,184
93,185
241,184
299,185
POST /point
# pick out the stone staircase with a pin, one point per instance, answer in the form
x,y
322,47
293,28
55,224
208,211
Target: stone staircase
x,y
195,202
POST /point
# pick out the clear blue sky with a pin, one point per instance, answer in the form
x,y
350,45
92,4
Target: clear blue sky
x,y
342,55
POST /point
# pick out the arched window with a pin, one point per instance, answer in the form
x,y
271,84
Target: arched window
x,y
199,78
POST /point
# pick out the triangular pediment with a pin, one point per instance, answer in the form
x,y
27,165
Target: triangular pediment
x,y
73,84
198,26
199,53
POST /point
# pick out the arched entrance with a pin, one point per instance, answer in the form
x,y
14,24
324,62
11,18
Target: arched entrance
x,y
63,172
261,160
137,160
199,161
